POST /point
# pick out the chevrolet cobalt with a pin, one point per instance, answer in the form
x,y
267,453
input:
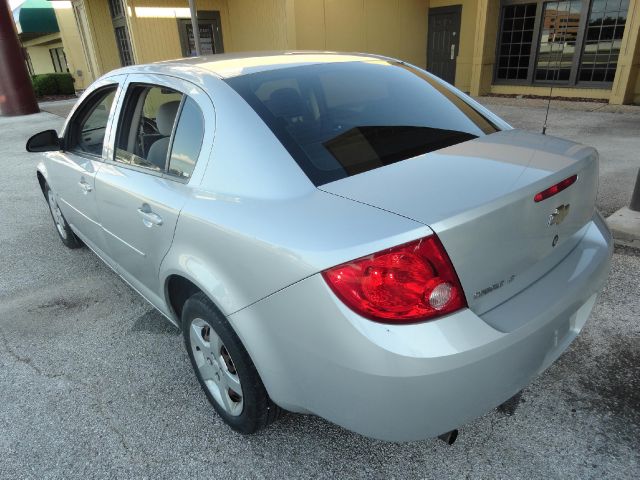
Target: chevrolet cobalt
x,y
337,234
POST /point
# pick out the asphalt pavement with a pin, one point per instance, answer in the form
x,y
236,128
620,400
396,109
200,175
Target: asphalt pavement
x,y
96,384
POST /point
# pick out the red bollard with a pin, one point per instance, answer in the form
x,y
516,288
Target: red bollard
x,y
16,91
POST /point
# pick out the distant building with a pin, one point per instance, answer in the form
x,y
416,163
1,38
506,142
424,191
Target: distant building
x,y
581,48
40,36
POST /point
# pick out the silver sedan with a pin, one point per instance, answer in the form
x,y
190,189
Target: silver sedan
x,y
337,234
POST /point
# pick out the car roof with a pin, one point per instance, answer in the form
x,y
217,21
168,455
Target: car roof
x,y
228,65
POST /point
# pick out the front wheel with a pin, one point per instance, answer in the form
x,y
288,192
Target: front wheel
x,y
224,369
65,233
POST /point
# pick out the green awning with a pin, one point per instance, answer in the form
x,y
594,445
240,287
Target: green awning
x,y
35,16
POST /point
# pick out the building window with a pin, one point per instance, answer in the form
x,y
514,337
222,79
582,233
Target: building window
x,y
210,34
124,48
28,60
116,8
516,37
122,34
602,40
565,42
558,36
59,60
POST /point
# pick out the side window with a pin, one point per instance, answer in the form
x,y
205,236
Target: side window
x,y
145,128
161,130
88,127
187,140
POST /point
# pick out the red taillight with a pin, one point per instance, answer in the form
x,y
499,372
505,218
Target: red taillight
x,y
557,188
409,283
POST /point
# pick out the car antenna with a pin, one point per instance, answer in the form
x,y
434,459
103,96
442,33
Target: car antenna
x,y
546,116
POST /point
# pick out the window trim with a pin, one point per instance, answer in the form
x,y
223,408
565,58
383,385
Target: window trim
x,y
530,81
90,103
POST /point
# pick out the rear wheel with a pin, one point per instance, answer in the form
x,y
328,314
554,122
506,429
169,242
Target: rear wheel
x,y
224,369
62,227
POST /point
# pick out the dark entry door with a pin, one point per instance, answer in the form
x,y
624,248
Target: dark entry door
x,y
443,40
210,34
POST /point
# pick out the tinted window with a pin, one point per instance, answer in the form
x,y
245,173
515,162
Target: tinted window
x,y
89,125
341,119
145,126
187,141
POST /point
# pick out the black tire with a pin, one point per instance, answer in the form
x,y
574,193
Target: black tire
x,y
258,410
63,229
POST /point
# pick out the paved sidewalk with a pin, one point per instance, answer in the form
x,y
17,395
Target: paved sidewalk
x,y
60,108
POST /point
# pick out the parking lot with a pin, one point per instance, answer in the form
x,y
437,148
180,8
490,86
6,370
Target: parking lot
x,y
94,383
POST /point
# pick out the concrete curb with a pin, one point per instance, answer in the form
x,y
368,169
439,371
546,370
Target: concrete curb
x,y
625,227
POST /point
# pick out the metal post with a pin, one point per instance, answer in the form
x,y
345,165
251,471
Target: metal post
x,y
194,26
16,91
635,197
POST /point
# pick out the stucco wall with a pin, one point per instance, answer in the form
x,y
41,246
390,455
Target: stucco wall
x,y
153,26
72,45
40,58
258,25
246,25
104,39
395,28
626,84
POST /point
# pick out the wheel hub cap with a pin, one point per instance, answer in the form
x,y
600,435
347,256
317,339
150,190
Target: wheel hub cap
x,y
57,215
216,367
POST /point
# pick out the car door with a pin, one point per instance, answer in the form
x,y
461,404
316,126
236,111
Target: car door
x,y
71,172
148,176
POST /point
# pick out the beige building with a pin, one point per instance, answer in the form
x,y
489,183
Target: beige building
x,y
45,54
39,35
580,48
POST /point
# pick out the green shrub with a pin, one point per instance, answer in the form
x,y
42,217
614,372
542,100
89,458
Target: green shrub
x,y
65,83
53,84
44,85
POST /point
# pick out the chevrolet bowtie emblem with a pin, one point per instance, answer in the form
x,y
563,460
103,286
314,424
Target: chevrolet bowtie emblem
x,y
559,214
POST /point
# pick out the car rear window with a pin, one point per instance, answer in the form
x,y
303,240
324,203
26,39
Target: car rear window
x,y
342,119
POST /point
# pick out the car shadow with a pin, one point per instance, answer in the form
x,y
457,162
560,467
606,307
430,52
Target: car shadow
x,y
153,321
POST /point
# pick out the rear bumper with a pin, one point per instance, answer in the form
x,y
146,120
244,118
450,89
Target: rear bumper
x,y
412,382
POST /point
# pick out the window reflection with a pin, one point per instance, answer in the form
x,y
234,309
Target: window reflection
x,y
560,25
602,40
568,41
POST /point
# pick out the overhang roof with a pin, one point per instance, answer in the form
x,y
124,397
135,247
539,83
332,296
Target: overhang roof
x,y
35,16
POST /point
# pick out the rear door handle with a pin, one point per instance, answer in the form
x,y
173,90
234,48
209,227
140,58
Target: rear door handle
x,y
148,217
84,186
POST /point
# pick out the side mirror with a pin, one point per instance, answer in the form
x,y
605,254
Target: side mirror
x,y
46,141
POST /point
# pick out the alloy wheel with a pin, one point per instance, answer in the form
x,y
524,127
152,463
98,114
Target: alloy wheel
x,y
57,215
216,367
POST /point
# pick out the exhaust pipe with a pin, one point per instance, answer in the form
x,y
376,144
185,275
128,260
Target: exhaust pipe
x,y
450,437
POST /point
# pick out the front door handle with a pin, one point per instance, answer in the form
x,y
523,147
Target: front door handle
x,y
148,217
84,186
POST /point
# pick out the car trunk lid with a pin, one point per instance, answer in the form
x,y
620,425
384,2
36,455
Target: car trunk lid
x,y
478,197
